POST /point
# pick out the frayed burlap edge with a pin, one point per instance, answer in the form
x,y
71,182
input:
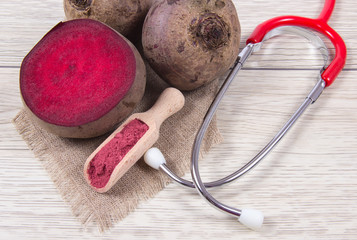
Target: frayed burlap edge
x,y
76,195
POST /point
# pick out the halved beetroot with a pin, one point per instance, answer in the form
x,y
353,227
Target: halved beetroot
x,y
81,79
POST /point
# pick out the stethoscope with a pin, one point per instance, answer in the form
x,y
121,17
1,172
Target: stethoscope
x,y
285,24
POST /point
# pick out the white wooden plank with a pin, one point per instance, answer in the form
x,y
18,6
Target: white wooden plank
x,y
306,187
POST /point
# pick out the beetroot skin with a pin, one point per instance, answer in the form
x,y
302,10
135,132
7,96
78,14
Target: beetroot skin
x,y
81,79
125,16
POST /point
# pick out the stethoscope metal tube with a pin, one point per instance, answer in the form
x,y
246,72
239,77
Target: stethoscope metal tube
x,y
200,186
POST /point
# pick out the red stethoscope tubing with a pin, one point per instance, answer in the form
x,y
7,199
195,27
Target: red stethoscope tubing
x,y
320,25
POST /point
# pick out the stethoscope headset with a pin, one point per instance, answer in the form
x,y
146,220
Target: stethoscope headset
x,y
276,26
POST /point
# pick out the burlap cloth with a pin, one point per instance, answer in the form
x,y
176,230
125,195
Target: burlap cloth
x,y
64,158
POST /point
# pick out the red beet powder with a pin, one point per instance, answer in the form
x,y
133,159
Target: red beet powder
x,y
104,162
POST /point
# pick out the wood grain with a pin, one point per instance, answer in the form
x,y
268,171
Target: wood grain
x,y
307,187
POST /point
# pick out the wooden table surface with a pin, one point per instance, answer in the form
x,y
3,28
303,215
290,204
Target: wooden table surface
x,y
307,187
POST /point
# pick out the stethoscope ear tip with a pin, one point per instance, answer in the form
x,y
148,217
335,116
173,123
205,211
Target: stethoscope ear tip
x,y
251,218
154,158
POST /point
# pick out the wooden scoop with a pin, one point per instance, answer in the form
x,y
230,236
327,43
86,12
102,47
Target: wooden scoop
x,y
128,143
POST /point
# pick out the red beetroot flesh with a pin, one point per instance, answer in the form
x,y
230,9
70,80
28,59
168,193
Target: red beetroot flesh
x,y
77,73
102,165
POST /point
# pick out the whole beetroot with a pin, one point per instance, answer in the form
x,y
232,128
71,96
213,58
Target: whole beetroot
x,y
191,42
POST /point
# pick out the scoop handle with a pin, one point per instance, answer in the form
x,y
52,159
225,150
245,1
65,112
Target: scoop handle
x,y
169,102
